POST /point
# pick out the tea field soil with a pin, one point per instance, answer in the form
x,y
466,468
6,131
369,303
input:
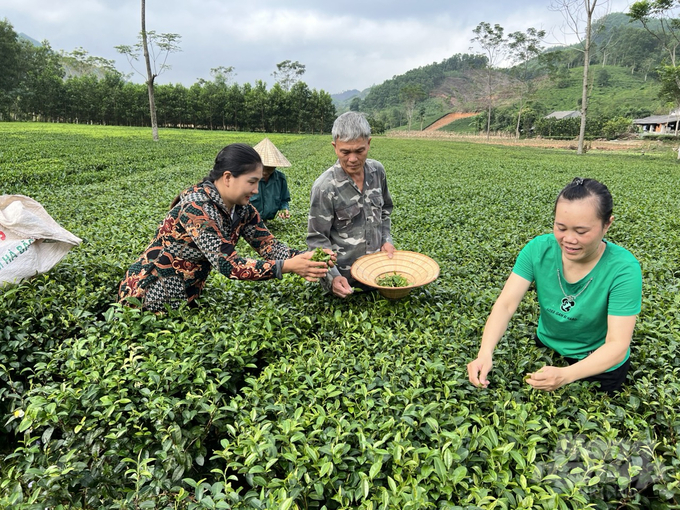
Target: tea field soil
x,y
637,145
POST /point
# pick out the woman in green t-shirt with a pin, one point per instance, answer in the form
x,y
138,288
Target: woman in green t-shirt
x,y
589,291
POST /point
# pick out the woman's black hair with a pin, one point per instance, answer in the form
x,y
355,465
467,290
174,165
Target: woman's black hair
x,y
235,158
583,188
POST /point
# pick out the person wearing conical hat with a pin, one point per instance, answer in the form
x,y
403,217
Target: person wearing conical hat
x,y
200,233
272,193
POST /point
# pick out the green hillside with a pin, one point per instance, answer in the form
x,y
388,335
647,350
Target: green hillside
x,y
614,91
624,58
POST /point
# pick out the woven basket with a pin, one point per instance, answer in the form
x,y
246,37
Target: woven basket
x,y
417,268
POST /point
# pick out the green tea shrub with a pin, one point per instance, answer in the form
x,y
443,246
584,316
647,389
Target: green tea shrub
x,y
275,395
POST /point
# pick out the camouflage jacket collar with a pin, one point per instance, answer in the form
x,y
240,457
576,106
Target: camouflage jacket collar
x,y
340,175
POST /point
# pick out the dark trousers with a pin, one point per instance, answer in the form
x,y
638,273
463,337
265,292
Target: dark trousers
x,y
610,382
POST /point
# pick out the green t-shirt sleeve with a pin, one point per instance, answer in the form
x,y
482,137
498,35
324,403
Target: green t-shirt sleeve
x,y
524,266
625,297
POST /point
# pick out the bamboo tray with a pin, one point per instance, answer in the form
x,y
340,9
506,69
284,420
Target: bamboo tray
x,y
418,269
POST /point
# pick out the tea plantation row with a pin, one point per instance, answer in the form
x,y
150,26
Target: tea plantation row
x,y
274,395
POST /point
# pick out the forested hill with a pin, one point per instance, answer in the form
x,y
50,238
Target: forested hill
x,y
29,39
428,77
456,83
619,41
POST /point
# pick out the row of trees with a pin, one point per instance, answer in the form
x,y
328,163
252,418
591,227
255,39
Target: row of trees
x,y
534,122
206,104
628,45
39,84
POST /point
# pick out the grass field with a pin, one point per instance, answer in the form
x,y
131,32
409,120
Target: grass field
x,y
274,395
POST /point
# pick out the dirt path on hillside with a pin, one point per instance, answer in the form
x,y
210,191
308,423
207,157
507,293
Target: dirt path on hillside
x,y
633,145
448,119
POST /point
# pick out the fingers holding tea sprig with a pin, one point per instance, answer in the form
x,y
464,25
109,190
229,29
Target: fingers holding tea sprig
x,y
324,255
548,378
478,370
303,265
389,249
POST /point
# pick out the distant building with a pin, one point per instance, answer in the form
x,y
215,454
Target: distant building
x,y
569,114
658,124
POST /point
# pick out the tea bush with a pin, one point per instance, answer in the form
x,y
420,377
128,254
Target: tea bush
x,y
275,395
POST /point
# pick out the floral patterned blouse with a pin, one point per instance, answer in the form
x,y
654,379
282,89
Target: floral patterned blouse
x,y
198,233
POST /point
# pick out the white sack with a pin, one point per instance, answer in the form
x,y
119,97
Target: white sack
x,y
31,242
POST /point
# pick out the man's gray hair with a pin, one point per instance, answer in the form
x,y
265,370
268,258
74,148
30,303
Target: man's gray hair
x,y
350,126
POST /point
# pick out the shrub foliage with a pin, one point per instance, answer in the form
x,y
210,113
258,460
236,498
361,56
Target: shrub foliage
x,y
274,395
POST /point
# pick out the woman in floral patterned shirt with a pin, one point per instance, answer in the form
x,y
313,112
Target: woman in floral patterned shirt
x,y
200,232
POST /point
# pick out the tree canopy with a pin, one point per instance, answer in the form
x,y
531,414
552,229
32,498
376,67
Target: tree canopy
x,y
38,83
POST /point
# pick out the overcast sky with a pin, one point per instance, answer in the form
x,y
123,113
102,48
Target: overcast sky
x,y
344,45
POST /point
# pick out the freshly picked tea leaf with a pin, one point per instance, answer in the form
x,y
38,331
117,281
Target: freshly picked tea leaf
x,y
392,280
321,256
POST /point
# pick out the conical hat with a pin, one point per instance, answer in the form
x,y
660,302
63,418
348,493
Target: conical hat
x,y
271,156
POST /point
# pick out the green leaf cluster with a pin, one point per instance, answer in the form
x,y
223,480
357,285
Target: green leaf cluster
x,y
321,256
392,280
275,395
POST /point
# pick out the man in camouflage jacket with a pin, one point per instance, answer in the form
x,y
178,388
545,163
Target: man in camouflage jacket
x,y
350,204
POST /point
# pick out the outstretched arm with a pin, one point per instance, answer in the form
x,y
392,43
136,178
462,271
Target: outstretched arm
x,y
304,266
319,223
200,220
503,309
611,353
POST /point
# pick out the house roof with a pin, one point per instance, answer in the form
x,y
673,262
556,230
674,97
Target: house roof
x,y
568,114
657,119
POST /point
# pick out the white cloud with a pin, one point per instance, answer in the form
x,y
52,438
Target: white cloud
x,y
354,45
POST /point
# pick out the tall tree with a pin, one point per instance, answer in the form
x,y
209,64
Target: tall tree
x,y
209,101
323,111
150,77
491,40
666,26
579,16
222,78
236,102
669,76
11,57
156,49
666,30
223,75
300,96
524,47
288,73
279,102
81,62
411,95
43,83
258,102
